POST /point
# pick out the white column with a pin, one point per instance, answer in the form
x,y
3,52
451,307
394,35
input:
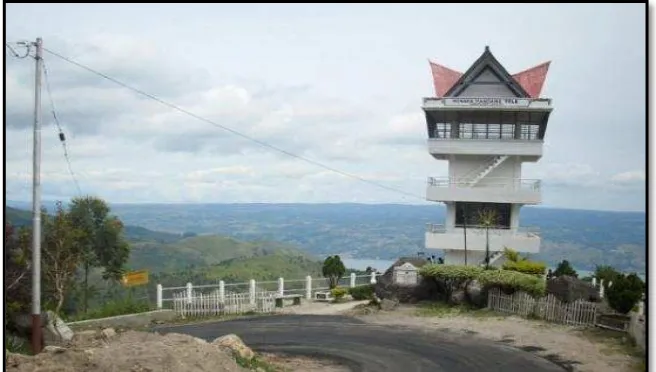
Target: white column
x,y
252,291
373,277
159,296
601,288
594,282
281,287
221,291
308,287
352,280
190,291
641,307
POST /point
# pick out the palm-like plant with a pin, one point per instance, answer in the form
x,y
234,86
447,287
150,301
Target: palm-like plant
x,y
487,218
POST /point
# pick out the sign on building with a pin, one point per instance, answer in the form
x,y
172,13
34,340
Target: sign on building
x,y
490,102
135,278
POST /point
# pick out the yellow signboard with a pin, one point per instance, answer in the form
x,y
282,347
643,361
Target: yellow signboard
x,y
135,278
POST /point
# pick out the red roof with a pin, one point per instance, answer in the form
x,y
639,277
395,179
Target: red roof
x,y
531,80
443,78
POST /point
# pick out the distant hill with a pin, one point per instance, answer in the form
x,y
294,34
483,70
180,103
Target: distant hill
x,y
18,217
202,251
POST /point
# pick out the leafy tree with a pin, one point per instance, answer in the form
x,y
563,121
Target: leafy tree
x,y
102,243
606,273
17,269
61,254
625,293
333,269
564,268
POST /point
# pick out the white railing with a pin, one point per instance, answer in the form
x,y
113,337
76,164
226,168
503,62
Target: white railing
x,y
230,297
495,182
478,229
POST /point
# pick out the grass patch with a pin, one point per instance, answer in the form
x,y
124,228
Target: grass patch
x,y
18,345
617,343
442,310
114,308
257,364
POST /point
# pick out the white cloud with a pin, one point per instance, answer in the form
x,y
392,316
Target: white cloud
x,y
630,176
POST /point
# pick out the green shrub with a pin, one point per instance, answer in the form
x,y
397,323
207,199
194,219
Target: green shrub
x,y
511,281
507,280
526,267
339,292
363,292
451,272
625,293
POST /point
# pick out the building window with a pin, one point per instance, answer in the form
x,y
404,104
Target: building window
x,y
443,130
473,210
529,132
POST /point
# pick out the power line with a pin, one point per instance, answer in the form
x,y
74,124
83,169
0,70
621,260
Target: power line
x,y
235,132
62,137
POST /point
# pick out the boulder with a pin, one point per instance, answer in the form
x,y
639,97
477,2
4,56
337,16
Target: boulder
x,y
53,349
475,294
233,343
458,297
108,333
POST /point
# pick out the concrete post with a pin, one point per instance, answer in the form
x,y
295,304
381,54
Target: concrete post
x,y
221,291
308,287
281,287
352,280
601,288
252,291
159,296
641,308
594,282
373,277
190,291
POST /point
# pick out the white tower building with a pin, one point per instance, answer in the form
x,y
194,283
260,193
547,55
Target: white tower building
x,y
485,123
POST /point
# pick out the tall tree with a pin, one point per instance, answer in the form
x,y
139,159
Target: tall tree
x,y
17,267
102,243
62,254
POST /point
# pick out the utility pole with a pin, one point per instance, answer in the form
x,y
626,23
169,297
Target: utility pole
x,y
36,205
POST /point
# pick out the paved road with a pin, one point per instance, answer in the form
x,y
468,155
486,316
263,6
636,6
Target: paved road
x,y
366,347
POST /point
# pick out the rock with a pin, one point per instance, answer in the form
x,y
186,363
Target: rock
x,y
53,349
475,295
108,333
388,305
233,343
458,297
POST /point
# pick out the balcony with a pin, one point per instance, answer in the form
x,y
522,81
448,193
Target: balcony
x,y
523,239
441,148
491,190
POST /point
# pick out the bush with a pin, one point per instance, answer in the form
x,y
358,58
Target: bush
x,y
339,292
625,293
363,292
509,281
526,267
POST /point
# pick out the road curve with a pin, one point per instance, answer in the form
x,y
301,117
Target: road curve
x,y
366,347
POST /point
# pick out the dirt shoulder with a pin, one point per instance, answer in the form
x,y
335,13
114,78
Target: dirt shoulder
x,y
575,349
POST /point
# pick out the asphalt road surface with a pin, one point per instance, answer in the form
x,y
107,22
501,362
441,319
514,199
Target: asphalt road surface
x,y
366,347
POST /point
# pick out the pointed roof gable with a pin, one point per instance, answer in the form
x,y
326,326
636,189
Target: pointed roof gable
x,y
486,60
525,84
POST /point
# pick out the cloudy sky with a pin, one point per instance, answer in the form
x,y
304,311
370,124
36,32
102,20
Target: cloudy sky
x,y
339,84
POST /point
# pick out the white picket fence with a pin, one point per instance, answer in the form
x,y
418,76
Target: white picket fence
x,y
549,308
252,296
211,304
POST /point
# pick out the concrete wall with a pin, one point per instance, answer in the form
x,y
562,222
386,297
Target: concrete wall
x,y
126,321
487,90
530,149
454,239
637,330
